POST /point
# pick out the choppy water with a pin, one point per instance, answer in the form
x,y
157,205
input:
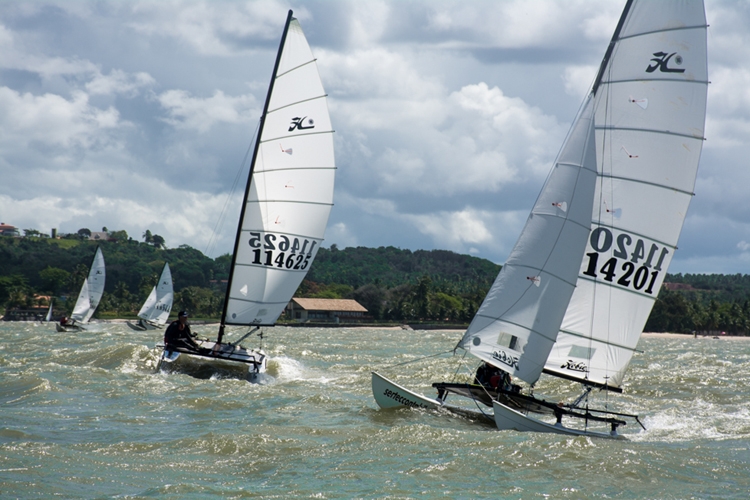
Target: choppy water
x,y
85,416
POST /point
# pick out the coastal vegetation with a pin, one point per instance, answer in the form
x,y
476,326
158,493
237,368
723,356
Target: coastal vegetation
x,y
395,285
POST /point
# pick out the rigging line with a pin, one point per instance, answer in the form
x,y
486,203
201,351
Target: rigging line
x,y
210,247
415,360
459,365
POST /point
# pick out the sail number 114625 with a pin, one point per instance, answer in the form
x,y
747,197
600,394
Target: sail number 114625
x,y
633,264
279,250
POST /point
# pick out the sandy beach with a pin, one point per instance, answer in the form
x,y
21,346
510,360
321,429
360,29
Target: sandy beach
x,y
690,336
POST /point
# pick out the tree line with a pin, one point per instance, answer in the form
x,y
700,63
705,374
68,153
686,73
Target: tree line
x,y
395,285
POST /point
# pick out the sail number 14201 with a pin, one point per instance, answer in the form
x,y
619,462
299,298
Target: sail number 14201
x,y
279,250
633,264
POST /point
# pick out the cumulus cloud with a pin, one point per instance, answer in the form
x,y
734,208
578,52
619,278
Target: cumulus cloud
x,y
448,115
187,112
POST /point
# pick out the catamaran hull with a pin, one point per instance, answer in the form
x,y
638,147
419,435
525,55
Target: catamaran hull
x,y
510,419
142,326
235,361
389,394
63,329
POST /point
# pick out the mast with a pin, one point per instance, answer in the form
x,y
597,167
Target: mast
x,y
611,47
250,177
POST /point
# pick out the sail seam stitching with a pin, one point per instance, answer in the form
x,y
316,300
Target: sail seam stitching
x,y
515,324
582,336
315,98
648,183
295,135
296,68
681,28
292,201
293,168
654,131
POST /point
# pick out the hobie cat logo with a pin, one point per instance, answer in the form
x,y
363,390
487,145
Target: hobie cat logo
x,y
298,123
506,358
661,62
575,366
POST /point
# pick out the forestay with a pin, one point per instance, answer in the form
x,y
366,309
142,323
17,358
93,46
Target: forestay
x,y
290,189
518,321
650,109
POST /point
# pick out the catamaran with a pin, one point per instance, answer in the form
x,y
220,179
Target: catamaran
x,y
155,311
288,199
578,287
89,297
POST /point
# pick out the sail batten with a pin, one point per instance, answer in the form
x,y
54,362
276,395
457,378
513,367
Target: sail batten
x,y
653,131
665,30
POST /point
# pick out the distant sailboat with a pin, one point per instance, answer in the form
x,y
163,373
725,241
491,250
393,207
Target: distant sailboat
x,y
48,317
287,201
573,303
155,311
89,297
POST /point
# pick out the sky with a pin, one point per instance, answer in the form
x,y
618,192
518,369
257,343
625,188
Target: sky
x,y
448,116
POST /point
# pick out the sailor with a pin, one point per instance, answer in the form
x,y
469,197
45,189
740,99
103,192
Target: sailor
x,y
178,334
491,376
64,321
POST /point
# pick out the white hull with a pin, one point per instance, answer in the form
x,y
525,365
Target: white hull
x,y
389,394
510,419
225,358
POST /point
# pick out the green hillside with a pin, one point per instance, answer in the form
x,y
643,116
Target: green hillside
x,y
395,285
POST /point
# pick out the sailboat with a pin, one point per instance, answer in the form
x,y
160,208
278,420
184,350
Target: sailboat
x,y
89,297
287,201
155,311
571,303
48,316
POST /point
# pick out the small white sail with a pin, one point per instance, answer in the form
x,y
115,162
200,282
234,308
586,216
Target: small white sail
x,y
650,117
148,307
164,297
158,305
91,291
48,317
518,321
83,304
290,189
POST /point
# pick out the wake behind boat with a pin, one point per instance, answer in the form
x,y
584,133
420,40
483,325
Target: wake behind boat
x,y
288,198
578,287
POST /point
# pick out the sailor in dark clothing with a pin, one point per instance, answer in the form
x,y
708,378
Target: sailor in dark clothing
x,y
491,376
178,334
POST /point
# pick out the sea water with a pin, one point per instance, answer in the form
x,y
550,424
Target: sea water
x,y
85,415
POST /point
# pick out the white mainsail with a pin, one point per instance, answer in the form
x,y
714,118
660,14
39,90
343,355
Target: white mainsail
x,y
290,189
650,113
91,290
158,305
517,323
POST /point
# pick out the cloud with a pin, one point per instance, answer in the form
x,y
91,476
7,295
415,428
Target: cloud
x,y
187,112
119,82
52,120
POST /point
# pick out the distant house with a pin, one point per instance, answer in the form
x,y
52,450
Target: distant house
x,y
8,230
99,236
326,310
